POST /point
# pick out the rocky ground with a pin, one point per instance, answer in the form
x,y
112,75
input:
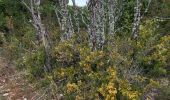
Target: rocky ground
x,y
13,86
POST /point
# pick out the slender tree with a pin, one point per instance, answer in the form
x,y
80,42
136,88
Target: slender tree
x,y
137,19
114,12
100,26
41,33
76,17
96,25
64,19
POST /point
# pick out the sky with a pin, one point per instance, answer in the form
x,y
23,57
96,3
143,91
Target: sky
x,y
79,2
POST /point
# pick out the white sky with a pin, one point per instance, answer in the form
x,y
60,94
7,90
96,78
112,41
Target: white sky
x,y
79,2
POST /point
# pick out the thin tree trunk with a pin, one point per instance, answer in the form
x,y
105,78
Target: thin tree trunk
x,y
76,17
41,33
137,19
97,24
65,20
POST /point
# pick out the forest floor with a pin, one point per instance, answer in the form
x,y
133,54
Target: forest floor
x,y
13,86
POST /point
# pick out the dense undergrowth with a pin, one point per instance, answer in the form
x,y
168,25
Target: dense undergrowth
x,y
124,69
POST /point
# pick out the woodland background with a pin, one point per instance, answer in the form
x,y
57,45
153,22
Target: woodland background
x,y
107,50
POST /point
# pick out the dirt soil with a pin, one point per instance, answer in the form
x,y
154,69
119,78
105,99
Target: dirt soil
x,y
13,86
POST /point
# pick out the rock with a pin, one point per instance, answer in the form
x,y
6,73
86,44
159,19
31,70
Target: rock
x,y
6,94
25,99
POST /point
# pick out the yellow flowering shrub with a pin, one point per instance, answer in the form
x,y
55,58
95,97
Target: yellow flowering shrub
x,y
112,74
108,91
82,74
162,50
153,49
91,59
127,91
65,53
71,87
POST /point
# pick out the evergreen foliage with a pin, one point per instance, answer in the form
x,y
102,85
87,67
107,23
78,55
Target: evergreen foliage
x,y
101,61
